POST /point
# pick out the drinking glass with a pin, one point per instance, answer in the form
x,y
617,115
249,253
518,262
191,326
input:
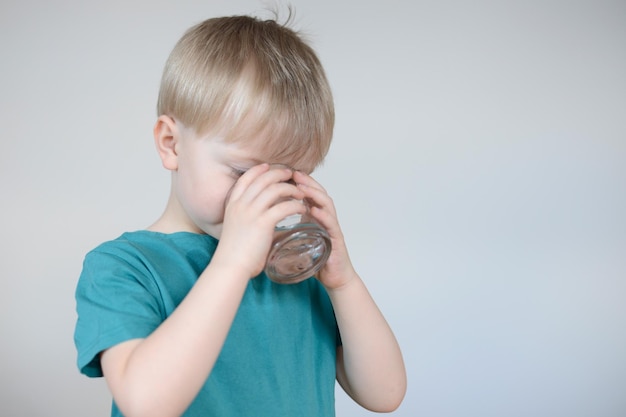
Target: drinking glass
x,y
300,248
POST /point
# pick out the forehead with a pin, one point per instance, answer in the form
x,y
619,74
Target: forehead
x,y
270,134
249,157
242,153
252,150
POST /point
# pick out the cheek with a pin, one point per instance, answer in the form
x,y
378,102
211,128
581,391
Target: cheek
x,y
208,199
194,191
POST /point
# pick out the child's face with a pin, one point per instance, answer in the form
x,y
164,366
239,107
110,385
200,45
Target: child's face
x,y
207,170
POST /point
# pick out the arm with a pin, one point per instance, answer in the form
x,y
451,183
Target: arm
x,y
370,367
161,374
369,364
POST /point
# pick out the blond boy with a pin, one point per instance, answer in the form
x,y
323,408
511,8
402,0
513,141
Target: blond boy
x,y
179,318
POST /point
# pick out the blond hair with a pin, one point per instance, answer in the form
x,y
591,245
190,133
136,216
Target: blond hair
x,y
246,79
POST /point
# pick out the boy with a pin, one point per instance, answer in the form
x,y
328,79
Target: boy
x,y
179,318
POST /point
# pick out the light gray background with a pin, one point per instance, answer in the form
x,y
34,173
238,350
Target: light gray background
x,y
479,170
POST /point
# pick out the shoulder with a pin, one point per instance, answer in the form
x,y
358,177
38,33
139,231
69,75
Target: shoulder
x,y
129,249
147,246
149,259
128,258
130,242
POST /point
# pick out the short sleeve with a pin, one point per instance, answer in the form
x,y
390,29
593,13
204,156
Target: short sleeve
x,y
116,300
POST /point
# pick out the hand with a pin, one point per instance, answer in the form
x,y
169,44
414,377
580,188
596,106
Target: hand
x,y
257,202
338,270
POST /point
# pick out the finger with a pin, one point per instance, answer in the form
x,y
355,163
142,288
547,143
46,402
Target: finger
x,y
269,188
285,209
272,184
242,184
317,197
257,179
303,178
277,193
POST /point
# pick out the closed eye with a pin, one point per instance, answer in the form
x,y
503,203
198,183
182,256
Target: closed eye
x,y
238,172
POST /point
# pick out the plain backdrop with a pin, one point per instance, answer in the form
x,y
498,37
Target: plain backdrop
x,y
478,167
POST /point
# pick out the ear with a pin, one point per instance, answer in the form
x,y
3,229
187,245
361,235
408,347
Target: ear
x,y
166,139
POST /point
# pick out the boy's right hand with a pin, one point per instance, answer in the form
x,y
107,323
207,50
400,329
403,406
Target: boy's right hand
x,y
256,203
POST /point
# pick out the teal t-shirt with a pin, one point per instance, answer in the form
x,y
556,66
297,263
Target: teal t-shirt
x,y
278,358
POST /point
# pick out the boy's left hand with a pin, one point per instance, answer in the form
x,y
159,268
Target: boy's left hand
x,y
338,270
